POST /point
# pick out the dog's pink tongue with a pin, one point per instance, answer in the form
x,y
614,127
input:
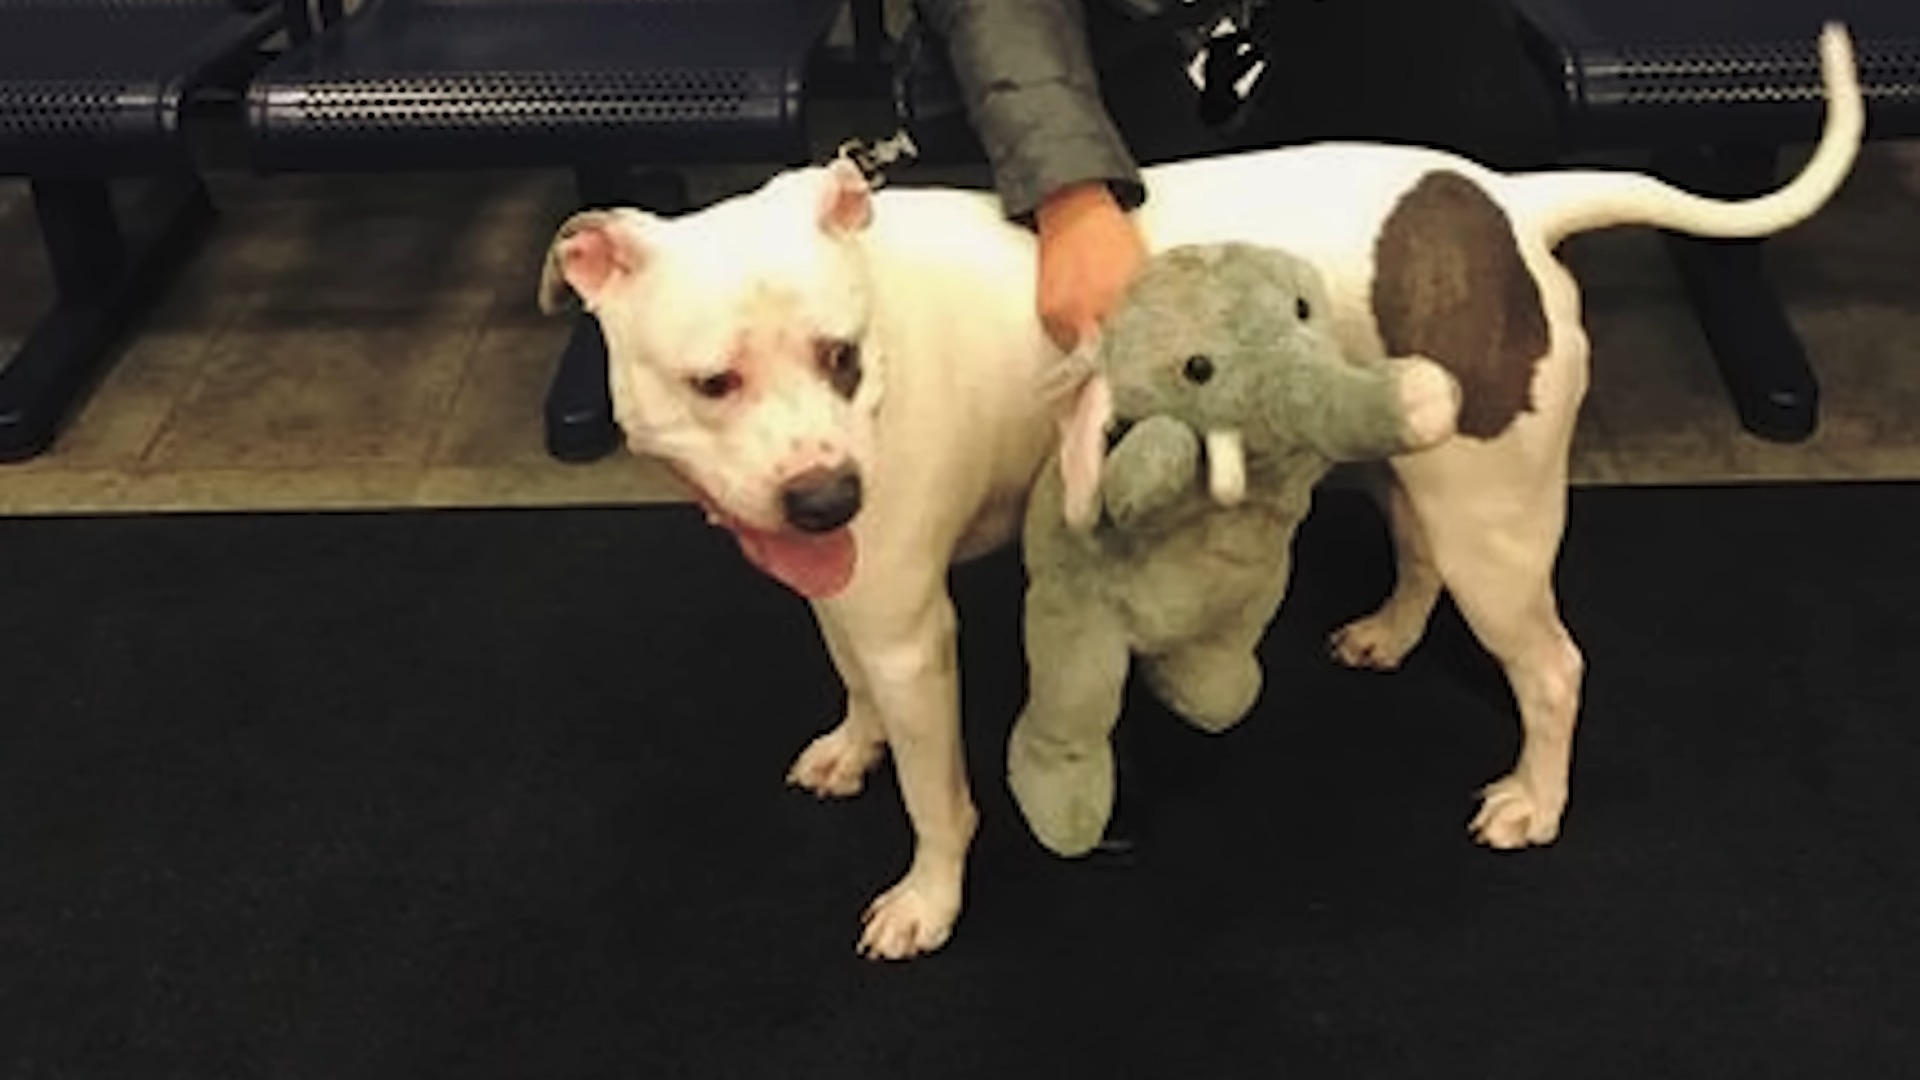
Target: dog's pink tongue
x,y
816,567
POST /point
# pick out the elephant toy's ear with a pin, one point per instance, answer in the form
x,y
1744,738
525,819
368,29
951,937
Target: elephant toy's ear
x,y
1083,436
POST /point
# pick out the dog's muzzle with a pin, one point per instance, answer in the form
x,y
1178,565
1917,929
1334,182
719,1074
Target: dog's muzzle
x,y
822,500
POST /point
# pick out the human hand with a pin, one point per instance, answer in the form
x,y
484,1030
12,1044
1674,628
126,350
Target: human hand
x,y
1090,251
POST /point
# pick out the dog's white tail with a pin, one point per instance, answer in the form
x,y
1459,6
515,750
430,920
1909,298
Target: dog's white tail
x,y
1560,204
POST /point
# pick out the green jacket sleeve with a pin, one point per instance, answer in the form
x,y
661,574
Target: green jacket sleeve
x,y
1027,75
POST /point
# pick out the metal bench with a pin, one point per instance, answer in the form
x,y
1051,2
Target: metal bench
x,y
1713,89
598,86
92,91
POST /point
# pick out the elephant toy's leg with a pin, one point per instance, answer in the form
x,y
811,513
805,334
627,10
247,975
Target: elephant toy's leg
x,y
1212,682
1060,754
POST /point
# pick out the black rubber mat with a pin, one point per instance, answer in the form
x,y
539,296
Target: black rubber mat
x,y
498,794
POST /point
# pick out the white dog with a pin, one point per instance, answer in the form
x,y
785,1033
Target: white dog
x,y
849,381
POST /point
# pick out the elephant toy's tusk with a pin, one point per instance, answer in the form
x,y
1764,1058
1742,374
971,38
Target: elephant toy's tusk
x,y
1226,467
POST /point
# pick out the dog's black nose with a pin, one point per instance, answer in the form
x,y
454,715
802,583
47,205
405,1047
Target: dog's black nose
x,y
822,500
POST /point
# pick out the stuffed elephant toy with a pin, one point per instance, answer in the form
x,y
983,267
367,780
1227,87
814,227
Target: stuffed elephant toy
x,y
1201,419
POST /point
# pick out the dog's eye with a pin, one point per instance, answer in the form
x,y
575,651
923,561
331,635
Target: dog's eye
x,y
1302,309
716,386
1198,369
841,362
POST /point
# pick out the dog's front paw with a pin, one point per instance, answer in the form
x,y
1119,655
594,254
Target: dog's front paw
x,y
1510,817
1378,642
914,917
835,764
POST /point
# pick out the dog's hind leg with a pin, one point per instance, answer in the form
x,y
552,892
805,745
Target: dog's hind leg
x,y
835,764
1496,556
1380,641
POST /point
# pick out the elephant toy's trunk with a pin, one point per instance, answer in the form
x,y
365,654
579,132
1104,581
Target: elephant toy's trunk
x,y
1363,413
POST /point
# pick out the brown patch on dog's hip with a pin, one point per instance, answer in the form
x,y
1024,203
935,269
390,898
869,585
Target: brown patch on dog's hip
x,y
1450,284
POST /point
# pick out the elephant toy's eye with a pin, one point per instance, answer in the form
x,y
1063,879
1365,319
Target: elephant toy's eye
x,y
1302,309
1198,368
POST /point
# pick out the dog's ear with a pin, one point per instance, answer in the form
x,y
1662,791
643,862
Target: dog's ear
x,y
1083,435
846,198
591,251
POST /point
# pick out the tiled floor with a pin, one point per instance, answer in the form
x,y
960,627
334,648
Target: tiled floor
x,y
373,341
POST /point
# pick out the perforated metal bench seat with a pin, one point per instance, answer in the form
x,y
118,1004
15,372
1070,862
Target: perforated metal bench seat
x,y
1634,72
440,83
1714,89
95,86
92,91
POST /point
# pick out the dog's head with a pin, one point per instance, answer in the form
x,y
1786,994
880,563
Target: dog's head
x,y
737,351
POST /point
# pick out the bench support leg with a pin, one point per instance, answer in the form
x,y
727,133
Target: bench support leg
x,y
579,407
1761,359
103,286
